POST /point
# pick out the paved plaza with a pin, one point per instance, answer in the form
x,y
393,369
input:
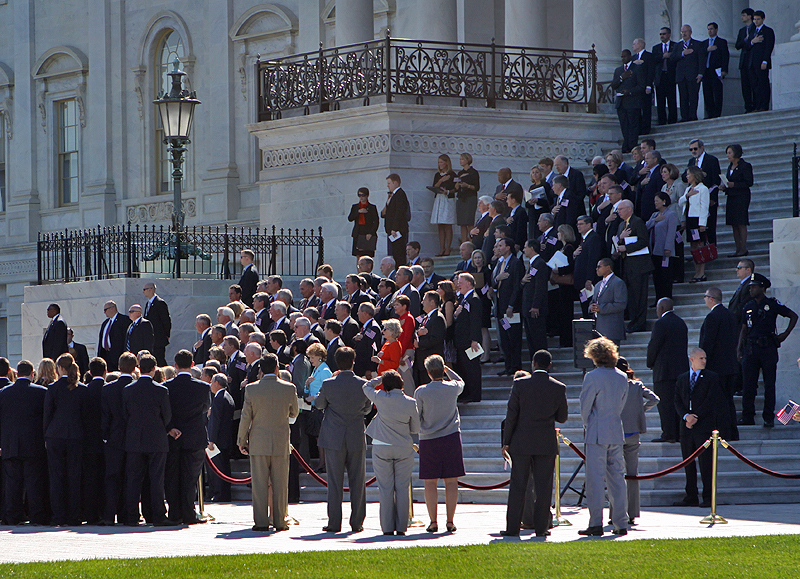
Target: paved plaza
x,y
230,532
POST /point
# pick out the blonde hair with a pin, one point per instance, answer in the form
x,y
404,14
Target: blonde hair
x,y
46,373
602,351
446,159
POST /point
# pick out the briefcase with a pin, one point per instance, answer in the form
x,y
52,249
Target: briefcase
x,y
705,254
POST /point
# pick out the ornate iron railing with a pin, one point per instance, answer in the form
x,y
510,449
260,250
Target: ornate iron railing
x,y
391,68
205,252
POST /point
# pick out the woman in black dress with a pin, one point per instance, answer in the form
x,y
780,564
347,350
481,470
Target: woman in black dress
x,y
480,269
538,203
364,216
737,188
565,278
468,183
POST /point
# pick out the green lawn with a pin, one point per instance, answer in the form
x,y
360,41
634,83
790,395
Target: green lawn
x,y
740,557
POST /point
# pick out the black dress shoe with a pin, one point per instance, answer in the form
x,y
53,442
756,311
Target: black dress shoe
x,y
505,533
279,529
331,530
258,529
400,534
357,529
769,425
166,523
631,522
743,422
544,534
592,532
620,532
686,502
705,504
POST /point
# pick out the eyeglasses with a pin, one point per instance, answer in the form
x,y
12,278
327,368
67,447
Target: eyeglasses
x,y
694,148
108,308
362,195
708,296
741,267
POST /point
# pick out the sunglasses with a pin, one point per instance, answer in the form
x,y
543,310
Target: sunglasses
x,y
694,148
362,195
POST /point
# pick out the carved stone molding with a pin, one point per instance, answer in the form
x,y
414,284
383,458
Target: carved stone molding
x,y
492,147
161,211
8,116
11,268
138,80
342,149
41,103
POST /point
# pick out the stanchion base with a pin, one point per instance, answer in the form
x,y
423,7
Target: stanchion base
x,y
205,517
416,523
713,519
561,522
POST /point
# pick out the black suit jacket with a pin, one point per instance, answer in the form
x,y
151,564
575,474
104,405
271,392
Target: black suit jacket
x,y
350,328
568,215
147,414
54,342
646,194
762,51
703,401
743,44
22,420
739,298
369,345
586,262
356,300
432,342
81,356
249,283
371,220
237,371
534,291
489,241
93,432
549,244
482,225
201,354
689,66
140,336
189,400
509,291
220,421
659,74
396,214
631,88
719,58
112,421
667,349
648,66
117,336
719,336
513,187
637,263
383,311
577,183
535,405
65,412
467,324
332,347
158,315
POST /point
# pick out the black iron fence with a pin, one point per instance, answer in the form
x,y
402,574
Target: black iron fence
x,y
795,183
203,252
489,73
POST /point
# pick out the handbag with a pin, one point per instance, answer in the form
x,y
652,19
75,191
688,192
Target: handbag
x,y
705,254
367,245
567,279
313,421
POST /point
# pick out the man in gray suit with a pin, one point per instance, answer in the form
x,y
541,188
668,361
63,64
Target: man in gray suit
x,y
609,301
342,437
603,396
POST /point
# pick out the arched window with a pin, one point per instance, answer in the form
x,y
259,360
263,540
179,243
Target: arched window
x,y
171,47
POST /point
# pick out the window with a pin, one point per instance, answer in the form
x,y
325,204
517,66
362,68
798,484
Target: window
x,y
67,117
171,48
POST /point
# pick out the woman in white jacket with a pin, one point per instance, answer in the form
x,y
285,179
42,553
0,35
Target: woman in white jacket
x,y
698,201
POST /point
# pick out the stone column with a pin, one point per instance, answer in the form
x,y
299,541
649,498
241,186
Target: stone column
x,y
526,23
436,20
476,20
632,12
312,29
598,22
355,22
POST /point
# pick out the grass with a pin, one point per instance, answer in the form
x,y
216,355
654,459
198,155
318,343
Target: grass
x,y
729,558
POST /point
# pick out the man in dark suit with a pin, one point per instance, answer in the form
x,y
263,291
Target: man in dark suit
x,y
568,206
431,277
719,338
641,57
496,209
666,356
396,214
577,182
629,84
342,437
333,335
548,242
236,370
140,333
202,324
687,56
24,454
364,269
744,269
147,414
743,44
506,187
78,352
355,287
249,280
507,283
220,436
277,315
696,400
534,297
478,232
113,332
761,46
54,341
710,166
536,403
350,327
586,256
112,425
327,307
716,59
190,401
664,78
93,448
403,279
383,310
157,312
467,335
649,186
368,342
261,305
637,264
430,336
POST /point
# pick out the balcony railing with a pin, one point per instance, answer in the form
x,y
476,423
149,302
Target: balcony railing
x,y
204,252
392,68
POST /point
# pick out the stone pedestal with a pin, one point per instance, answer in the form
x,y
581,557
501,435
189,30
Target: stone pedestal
x,y
786,74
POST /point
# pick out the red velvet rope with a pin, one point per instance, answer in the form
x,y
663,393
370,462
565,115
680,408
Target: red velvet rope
x,y
224,477
758,467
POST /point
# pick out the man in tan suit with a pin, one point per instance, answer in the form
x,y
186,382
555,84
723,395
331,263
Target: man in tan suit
x,y
264,435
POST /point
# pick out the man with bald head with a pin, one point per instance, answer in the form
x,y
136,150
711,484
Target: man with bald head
x,y
577,182
689,58
140,333
157,311
636,263
506,186
111,343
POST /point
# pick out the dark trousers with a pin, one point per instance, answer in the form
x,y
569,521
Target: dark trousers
x,y
93,486
536,333
296,437
397,249
691,439
747,90
711,223
759,81
678,263
354,461
637,297
419,373
629,120
26,476
470,372
565,311
221,490
665,389
647,114
115,486
712,94
137,465
689,90
511,345
541,468
65,467
765,359
726,421
662,277
160,353
182,472
667,103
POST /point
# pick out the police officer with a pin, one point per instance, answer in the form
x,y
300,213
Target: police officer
x,y
758,348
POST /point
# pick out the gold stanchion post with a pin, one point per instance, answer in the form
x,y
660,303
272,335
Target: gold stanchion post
x,y
558,520
714,517
203,515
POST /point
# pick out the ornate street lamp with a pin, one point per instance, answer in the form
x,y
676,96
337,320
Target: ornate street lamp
x,y
177,111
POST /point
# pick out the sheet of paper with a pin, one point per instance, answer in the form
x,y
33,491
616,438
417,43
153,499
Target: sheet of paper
x,y
471,354
718,71
513,319
303,404
631,239
395,237
559,259
212,453
534,194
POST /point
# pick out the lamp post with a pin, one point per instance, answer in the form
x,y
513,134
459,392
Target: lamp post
x,y
177,111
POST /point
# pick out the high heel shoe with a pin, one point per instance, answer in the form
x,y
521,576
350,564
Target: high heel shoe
x,y
451,528
433,527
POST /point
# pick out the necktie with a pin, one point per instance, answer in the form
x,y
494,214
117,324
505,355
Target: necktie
x,y
322,313
664,62
626,67
692,381
708,58
107,336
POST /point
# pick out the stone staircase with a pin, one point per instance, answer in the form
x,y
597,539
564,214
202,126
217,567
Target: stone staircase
x,y
769,150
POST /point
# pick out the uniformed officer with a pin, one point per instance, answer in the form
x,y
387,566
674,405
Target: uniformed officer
x,y
758,348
